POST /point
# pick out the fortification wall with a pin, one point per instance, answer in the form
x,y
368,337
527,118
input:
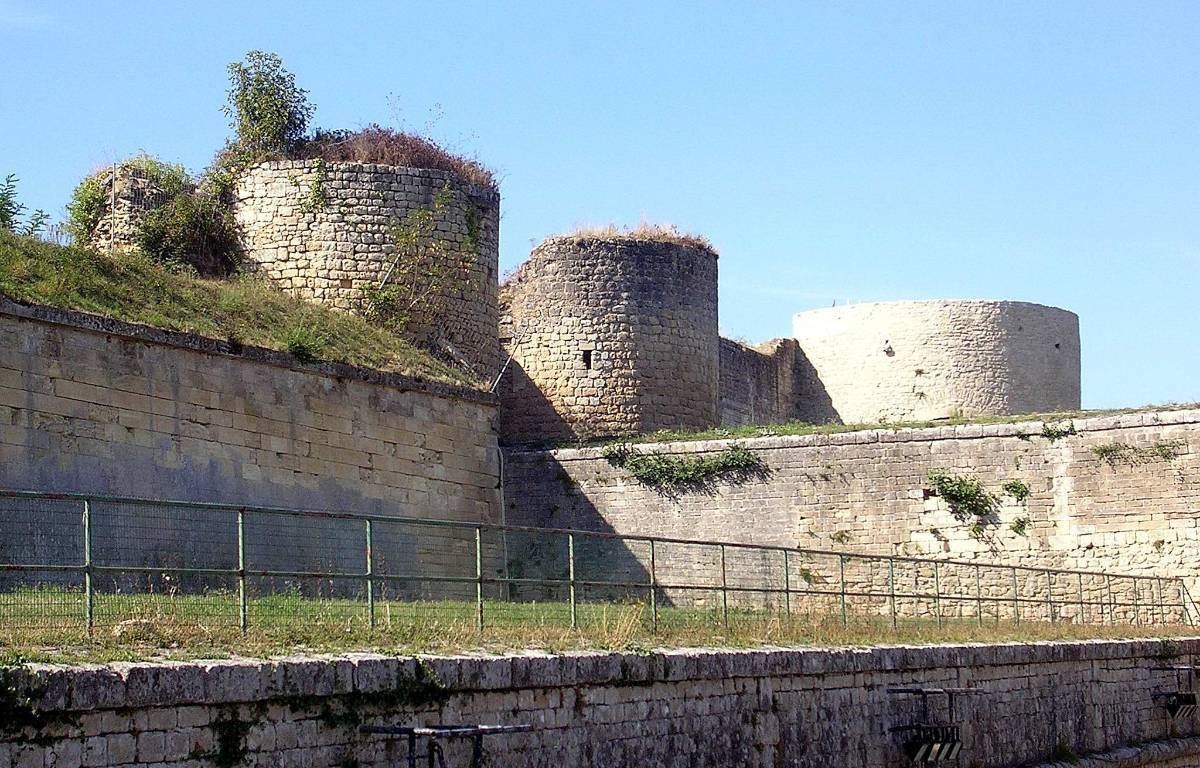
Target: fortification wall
x,y
98,406
325,231
1119,495
609,337
801,708
919,360
757,382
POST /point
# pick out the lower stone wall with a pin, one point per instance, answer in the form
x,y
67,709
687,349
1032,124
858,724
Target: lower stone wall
x,y
1112,493
96,406
690,708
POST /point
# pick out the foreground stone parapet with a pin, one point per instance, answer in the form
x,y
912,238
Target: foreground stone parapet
x,y
682,707
917,360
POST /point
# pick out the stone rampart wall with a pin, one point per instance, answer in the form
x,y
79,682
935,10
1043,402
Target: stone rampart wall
x,y
757,382
1119,495
97,406
799,708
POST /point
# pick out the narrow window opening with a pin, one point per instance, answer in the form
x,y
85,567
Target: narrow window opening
x,y
587,359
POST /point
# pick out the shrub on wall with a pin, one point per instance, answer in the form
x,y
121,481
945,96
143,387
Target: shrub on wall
x,y
269,113
736,464
193,229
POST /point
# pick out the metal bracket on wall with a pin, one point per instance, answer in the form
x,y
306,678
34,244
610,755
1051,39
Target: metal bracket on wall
x,y
1181,703
927,742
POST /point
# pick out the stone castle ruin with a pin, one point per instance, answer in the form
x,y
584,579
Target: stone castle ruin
x,y
614,333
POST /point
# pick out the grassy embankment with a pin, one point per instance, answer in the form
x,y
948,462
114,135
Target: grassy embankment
x,y
240,309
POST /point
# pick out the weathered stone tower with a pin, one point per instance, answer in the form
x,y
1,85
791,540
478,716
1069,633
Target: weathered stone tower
x,y
610,335
917,360
325,231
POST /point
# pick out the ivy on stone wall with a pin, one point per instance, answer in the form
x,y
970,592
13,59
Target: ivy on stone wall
x,y
668,473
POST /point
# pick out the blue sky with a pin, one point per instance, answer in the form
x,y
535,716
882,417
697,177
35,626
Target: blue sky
x,y
1045,152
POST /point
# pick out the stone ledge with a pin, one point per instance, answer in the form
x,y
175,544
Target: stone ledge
x,y
98,324
1149,754
209,682
1016,429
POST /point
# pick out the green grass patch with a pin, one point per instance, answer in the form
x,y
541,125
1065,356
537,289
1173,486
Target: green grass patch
x,y
242,310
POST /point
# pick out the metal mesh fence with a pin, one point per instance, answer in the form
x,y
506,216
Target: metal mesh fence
x,y
72,564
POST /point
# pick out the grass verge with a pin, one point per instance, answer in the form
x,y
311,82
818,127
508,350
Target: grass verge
x,y
47,625
242,310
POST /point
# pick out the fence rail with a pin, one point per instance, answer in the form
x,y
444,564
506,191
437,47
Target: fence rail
x,y
64,557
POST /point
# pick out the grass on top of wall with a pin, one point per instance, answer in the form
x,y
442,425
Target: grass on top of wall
x,y
1058,422
643,232
242,309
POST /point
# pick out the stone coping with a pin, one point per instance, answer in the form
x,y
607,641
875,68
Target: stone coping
x,y
1148,754
1031,428
99,324
486,194
147,684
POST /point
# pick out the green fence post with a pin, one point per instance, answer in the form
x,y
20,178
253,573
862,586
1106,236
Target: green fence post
x,y
370,575
1050,596
1081,612
241,544
1016,598
1137,603
479,579
1162,614
1112,604
892,590
653,589
937,591
724,591
842,582
571,579
978,598
89,594
787,583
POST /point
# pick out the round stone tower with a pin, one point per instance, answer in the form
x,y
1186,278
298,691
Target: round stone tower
x,y
327,232
611,334
919,360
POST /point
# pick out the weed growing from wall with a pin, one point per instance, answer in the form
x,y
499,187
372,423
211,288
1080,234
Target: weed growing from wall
x,y
667,473
968,501
1055,432
317,198
423,268
1017,489
1133,455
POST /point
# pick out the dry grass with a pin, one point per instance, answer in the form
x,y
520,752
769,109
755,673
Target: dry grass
x,y
376,144
132,627
643,232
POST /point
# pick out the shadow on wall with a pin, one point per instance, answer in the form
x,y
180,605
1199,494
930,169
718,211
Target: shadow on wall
x,y
812,401
527,415
613,570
